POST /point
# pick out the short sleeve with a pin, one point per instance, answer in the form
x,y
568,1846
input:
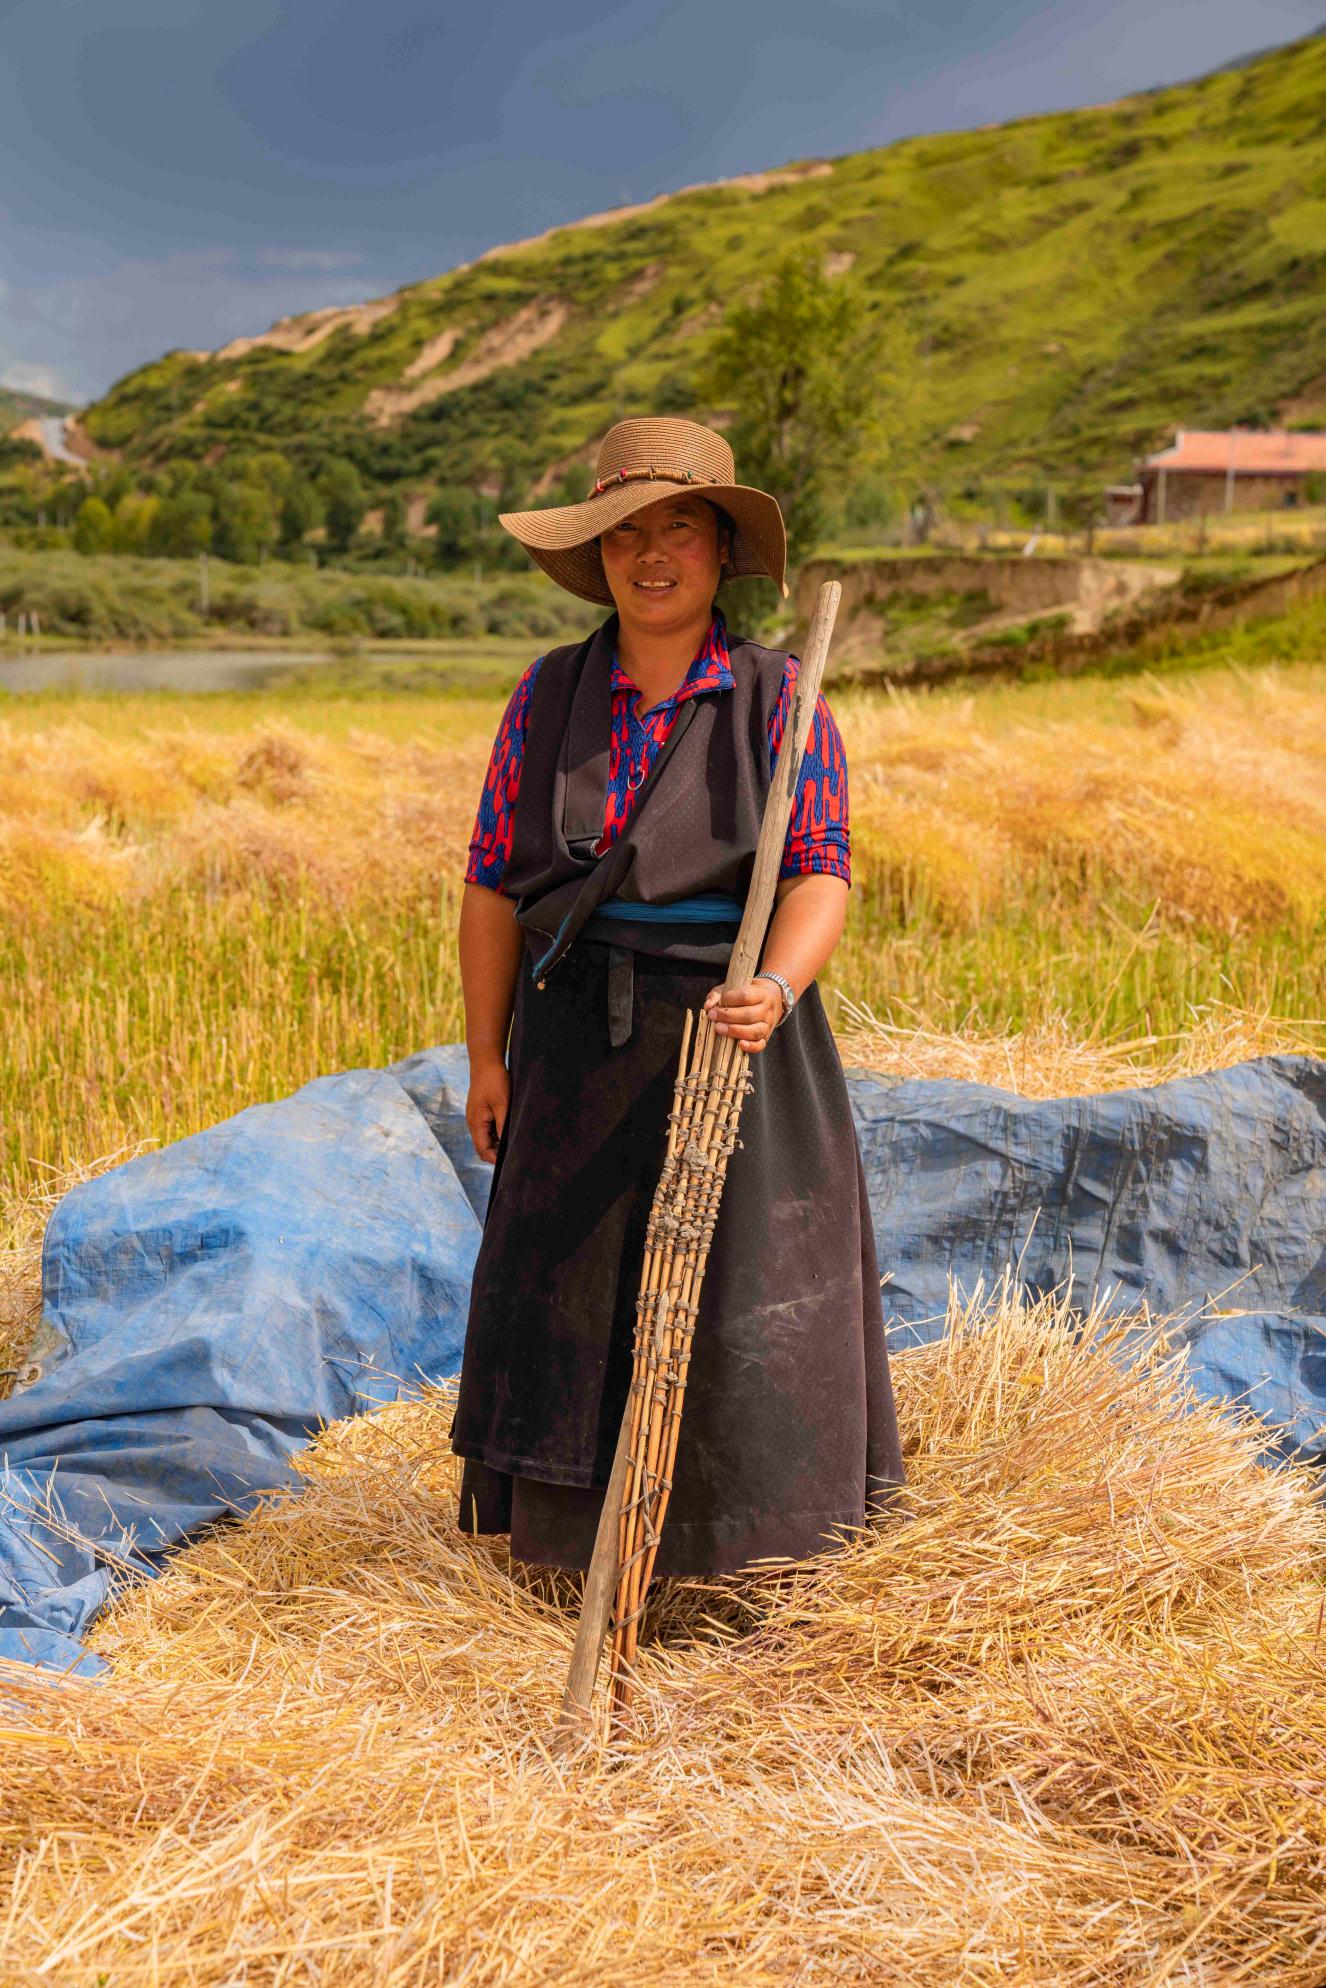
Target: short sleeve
x,y
818,837
490,843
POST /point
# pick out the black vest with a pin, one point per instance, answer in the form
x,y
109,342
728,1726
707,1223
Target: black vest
x,y
696,818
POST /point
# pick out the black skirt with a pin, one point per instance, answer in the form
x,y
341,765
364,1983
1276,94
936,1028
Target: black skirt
x,y
789,1435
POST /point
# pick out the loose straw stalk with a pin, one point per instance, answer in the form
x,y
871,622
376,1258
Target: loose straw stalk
x,y
712,1085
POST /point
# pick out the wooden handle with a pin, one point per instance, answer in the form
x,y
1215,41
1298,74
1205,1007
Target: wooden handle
x,y
600,1587
778,807
601,1580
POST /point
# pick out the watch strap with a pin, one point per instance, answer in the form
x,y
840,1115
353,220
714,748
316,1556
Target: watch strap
x,y
784,987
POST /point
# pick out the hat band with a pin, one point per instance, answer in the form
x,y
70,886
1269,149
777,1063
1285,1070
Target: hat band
x,y
650,475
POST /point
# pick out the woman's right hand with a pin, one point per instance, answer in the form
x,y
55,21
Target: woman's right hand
x,y
486,1105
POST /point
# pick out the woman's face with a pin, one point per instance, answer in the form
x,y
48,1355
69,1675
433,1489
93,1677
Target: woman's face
x,y
664,564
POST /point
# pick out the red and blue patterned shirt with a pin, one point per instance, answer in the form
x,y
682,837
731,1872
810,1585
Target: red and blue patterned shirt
x,y
818,841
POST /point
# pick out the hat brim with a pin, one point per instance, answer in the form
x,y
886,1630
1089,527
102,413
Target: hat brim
x,y
564,538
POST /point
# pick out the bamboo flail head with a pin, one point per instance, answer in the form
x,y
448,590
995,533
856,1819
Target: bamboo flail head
x,y
702,1136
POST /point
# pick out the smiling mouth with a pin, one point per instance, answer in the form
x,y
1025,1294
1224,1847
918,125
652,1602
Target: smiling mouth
x,y
654,586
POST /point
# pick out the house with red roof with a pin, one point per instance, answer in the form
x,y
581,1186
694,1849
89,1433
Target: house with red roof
x,y
1210,470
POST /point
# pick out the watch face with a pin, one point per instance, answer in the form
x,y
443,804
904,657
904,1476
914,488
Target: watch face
x,y
784,991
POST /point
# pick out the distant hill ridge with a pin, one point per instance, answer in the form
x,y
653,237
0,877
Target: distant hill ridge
x,y
16,406
1072,285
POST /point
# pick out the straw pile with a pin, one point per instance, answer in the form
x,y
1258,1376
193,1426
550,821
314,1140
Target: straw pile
x,y
1055,1061
1065,1722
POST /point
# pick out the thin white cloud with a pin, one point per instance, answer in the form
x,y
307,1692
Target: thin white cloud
x,y
41,380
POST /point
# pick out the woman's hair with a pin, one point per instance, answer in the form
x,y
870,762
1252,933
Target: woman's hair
x,y
725,525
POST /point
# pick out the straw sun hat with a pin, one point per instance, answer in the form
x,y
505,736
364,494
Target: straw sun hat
x,y
640,462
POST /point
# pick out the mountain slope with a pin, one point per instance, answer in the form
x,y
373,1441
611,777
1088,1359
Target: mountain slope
x,y
16,405
1071,287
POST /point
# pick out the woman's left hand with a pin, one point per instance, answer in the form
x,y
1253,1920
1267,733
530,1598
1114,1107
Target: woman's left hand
x,y
749,1014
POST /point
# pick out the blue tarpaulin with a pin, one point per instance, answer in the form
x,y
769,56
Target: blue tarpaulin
x,y
1203,1199
209,1307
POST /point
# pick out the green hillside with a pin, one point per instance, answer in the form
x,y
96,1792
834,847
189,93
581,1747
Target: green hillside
x,y
1070,287
16,406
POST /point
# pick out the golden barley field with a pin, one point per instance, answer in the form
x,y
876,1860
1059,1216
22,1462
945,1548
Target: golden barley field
x,y
1058,1722
205,901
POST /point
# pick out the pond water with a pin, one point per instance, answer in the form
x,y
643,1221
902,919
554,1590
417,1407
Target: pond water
x,y
150,669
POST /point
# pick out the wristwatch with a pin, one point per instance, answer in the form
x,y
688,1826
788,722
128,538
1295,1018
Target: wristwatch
x,y
784,988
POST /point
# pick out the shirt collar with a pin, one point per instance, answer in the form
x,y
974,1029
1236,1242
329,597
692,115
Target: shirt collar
x,y
711,669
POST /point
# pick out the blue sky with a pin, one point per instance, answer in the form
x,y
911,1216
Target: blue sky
x,y
176,172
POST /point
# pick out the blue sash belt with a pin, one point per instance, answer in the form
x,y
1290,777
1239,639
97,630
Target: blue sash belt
x,y
711,907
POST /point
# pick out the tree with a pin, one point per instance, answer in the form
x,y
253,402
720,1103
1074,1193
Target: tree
x,y
16,453
115,485
571,487
136,521
181,477
346,501
871,503
184,524
301,512
393,518
463,519
1081,508
245,522
806,373
271,468
94,527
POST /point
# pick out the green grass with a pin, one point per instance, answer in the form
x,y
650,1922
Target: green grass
x,y
486,666
122,601
1296,637
1158,633
17,406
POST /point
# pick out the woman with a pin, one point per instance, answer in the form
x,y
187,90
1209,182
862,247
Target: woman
x,y
609,864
